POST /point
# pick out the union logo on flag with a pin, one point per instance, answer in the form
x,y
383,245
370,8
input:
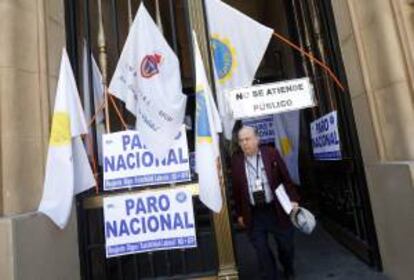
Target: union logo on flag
x,y
224,56
150,65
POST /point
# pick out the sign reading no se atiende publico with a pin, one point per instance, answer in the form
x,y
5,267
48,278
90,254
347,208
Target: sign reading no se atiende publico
x,y
271,98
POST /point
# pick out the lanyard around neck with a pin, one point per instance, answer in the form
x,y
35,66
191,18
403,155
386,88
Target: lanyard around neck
x,y
256,170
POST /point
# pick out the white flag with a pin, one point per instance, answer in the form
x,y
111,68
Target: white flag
x,y
206,136
67,168
147,79
98,95
286,129
238,44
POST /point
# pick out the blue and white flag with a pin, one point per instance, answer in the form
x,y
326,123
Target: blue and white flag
x,y
286,129
207,146
147,78
238,44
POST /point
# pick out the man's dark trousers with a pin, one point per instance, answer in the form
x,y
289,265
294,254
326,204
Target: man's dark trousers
x,y
263,223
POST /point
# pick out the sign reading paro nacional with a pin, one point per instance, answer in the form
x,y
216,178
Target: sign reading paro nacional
x,y
325,137
264,126
149,221
271,98
128,163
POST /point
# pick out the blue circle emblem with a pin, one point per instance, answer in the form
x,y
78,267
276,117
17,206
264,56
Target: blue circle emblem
x,y
181,197
223,59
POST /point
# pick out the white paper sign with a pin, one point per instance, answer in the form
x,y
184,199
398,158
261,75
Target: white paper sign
x,y
128,163
264,126
283,199
325,137
149,221
271,98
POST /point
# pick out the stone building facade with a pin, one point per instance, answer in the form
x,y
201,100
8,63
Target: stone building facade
x,y
377,45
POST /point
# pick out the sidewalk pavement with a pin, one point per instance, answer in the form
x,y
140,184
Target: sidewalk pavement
x,y
318,257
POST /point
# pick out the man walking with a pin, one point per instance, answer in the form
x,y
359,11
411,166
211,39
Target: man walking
x,y
256,173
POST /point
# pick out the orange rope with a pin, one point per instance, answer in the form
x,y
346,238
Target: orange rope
x,y
96,114
89,139
311,57
101,107
118,112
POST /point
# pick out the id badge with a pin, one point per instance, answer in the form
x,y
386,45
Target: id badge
x,y
258,186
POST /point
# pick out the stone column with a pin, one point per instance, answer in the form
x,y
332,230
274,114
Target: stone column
x,y
31,40
224,242
376,39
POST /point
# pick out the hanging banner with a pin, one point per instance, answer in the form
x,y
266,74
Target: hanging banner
x,y
325,137
271,98
128,163
149,221
264,126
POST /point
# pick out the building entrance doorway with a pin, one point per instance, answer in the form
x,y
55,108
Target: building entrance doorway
x,y
335,190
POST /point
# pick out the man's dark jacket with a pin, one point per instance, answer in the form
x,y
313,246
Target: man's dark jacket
x,y
276,172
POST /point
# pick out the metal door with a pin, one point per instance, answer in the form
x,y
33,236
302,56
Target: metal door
x,y
103,26
338,187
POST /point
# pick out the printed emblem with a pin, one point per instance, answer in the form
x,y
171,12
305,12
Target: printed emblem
x,y
150,65
202,122
224,58
60,133
181,197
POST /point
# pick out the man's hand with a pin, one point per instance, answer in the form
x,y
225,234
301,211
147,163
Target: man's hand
x,y
241,222
295,205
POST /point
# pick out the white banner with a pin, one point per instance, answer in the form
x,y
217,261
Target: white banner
x,y
264,126
207,128
128,163
271,98
325,137
147,78
149,221
238,44
68,171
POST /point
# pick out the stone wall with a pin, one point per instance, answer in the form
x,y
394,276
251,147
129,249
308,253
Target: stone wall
x,y
31,40
374,38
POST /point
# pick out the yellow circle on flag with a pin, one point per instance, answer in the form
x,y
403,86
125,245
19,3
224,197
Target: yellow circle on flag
x,y
286,146
60,134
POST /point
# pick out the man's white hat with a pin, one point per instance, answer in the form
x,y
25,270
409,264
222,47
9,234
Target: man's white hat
x,y
303,220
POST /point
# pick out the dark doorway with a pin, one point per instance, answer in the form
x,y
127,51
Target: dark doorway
x,y
83,33
335,190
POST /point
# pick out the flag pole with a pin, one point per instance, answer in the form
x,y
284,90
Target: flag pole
x,y
158,15
129,13
222,228
103,63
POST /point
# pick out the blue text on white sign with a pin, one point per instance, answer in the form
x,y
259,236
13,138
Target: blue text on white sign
x,y
264,126
149,221
128,163
325,138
